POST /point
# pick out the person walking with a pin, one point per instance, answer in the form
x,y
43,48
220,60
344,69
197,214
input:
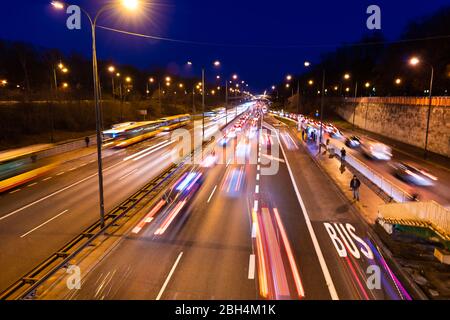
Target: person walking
x,y
355,184
87,140
343,155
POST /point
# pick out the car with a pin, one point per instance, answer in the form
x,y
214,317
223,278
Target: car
x,y
353,142
376,150
413,175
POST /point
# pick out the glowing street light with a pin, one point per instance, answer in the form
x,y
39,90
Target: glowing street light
x,y
111,69
168,79
307,64
235,76
128,79
414,61
311,82
367,84
398,81
346,76
217,63
130,4
289,77
151,80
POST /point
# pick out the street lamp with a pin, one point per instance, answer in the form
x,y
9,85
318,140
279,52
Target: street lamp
x,y
111,70
398,81
130,5
414,61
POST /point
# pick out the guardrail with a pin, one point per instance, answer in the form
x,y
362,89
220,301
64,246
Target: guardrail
x,y
66,147
394,192
27,285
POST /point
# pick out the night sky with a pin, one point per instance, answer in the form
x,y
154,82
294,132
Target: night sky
x,y
251,38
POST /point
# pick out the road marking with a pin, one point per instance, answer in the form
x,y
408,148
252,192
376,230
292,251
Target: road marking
x,y
258,167
323,264
254,228
43,224
73,168
257,177
58,174
212,193
56,192
46,179
257,189
255,205
273,158
32,184
128,174
251,267
169,276
14,191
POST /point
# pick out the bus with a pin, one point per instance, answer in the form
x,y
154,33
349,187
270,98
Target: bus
x,y
19,166
174,122
122,136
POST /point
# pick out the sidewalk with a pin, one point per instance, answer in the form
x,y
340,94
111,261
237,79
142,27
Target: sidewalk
x,y
369,200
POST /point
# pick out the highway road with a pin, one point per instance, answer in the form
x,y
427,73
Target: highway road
x,y
246,234
37,219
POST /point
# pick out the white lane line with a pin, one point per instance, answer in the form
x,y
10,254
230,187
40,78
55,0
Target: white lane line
x,y
73,168
257,177
255,205
128,174
254,230
258,167
323,264
32,184
251,267
212,193
55,193
14,191
43,224
82,165
169,276
92,161
257,189
46,179
58,174
143,151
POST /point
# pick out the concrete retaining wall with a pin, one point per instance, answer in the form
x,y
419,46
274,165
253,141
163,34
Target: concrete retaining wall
x,y
403,119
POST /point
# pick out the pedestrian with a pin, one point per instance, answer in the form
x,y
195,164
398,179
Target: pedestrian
x,y
87,140
355,184
343,155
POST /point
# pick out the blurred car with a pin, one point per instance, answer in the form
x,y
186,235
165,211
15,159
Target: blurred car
x,y
413,175
353,142
376,150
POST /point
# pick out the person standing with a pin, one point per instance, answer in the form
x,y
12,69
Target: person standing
x,y
87,140
343,155
355,184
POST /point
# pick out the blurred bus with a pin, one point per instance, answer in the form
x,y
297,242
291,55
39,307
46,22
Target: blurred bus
x,y
122,136
19,166
174,122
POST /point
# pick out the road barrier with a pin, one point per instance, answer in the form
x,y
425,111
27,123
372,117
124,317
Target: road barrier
x,y
427,214
26,286
394,192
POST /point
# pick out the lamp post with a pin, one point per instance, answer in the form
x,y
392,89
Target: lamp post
x,y
111,69
415,61
130,5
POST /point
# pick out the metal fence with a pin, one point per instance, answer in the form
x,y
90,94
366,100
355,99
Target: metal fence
x,y
66,147
396,193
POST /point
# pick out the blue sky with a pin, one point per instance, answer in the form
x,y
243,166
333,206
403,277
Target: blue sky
x,y
314,26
